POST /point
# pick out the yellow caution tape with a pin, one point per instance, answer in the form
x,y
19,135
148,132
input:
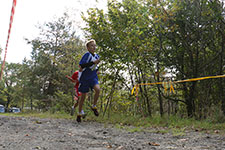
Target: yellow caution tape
x,y
171,86
164,85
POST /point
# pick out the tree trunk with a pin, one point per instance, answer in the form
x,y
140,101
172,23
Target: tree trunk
x,y
158,80
159,96
31,102
190,100
110,96
222,95
148,102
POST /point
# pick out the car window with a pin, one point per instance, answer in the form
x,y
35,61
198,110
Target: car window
x,y
2,109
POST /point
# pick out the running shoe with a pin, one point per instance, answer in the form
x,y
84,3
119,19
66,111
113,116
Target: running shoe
x,y
94,109
84,116
79,118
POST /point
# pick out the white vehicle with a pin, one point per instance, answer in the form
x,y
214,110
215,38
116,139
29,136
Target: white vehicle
x,y
2,109
15,110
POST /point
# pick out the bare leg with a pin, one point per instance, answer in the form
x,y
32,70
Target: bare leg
x,y
97,92
76,101
81,101
76,104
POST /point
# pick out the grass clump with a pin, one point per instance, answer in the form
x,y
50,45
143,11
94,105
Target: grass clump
x,y
131,123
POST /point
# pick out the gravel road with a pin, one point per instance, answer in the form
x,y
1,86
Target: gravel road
x,y
23,133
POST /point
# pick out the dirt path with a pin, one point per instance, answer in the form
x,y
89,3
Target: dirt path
x,y
20,133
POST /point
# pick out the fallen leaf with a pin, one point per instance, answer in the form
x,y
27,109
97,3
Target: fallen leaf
x,y
37,147
182,140
70,134
109,146
38,122
216,131
120,148
153,144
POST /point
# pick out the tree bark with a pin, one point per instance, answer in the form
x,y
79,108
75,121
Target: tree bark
x,y
221,83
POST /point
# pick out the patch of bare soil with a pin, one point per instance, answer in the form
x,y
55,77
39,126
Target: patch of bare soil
x,y
22,133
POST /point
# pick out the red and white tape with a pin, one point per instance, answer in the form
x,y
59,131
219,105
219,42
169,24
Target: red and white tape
x,y
9,31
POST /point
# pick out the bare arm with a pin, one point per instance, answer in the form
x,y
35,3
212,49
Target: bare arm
x,y
71,79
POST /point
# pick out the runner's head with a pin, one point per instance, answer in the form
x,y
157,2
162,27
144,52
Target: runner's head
x,y
91,46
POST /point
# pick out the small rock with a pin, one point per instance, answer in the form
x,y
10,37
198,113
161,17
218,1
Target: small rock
x,y
120,148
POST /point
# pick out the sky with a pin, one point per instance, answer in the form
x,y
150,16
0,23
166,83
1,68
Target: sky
x,y
31,13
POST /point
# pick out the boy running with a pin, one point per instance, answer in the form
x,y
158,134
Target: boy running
x,y
75,79
89,78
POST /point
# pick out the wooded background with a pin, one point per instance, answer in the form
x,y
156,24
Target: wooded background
x,y
139,41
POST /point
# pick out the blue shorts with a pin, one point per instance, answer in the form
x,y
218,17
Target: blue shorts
x,y
86,85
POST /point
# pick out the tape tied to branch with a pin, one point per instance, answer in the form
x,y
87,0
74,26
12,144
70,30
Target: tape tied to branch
x,y
170,83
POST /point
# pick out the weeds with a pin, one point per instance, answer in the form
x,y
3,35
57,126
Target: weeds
x,y
175,124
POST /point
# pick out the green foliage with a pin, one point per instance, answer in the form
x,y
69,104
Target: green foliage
x,y
61,102
55,54
139,41
33,113
121,36
141,37
36,83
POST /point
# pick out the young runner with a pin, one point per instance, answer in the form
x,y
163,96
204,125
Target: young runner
x,y
89,77
75,79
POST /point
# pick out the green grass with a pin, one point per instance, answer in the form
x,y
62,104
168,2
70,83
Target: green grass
x,y
176,125
41,115
173,124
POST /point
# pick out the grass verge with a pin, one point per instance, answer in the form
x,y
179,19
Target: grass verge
x,y
176,125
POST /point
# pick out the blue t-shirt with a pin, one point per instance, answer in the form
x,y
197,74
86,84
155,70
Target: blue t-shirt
x,y
89,73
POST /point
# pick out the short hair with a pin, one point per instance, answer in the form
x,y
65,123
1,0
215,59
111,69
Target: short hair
x,y
88,42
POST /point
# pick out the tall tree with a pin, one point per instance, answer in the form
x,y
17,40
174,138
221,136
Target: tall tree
x,y
193,43
55,54
144,37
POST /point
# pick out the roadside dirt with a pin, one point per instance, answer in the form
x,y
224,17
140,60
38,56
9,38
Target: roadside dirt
x,y
22,133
